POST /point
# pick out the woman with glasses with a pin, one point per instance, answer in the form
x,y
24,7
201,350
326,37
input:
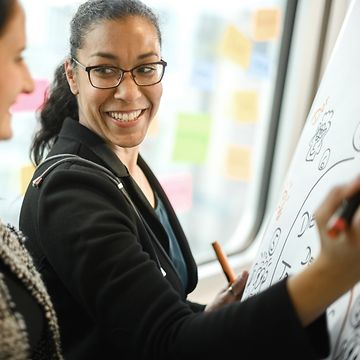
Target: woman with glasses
x,y
28,324
107,241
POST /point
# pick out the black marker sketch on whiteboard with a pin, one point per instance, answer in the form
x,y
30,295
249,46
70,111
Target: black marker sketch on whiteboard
x,y
261,268
274,241
260,274
324,160
266,266
347,347
285,272
317,140
331,312
350,349
335,165
356,138
307,223
308,257
355,314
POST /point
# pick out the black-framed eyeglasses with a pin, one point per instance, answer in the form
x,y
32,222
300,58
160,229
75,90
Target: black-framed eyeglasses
x,y
108,77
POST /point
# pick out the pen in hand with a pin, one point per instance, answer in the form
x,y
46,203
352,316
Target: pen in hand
x,y
343,216
228,271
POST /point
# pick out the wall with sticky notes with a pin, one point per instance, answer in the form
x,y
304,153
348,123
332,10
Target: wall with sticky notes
x,y
218,96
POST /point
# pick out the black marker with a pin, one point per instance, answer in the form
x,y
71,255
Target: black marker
x,y
343,215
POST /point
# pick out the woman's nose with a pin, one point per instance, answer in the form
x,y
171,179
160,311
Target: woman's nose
x,y
127,90
28,83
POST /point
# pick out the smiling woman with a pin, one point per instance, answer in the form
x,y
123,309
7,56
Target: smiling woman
x,y
98,104
28,324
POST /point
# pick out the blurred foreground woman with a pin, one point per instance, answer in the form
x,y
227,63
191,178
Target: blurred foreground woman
x,y
28,325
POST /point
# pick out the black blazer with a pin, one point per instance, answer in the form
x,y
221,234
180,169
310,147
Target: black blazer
x,y
101,267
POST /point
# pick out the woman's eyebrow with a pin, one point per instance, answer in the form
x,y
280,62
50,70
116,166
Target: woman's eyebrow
x,y
112,56
104,55
146,55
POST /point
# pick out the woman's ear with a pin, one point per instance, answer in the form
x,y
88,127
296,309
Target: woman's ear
x,y
71,77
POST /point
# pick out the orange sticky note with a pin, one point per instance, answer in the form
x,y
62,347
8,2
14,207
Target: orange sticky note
x,y
236,46
238,162
26,173
154,127
266,24
245,106
31,102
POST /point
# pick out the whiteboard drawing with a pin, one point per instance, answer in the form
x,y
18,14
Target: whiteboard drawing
x,y
328,154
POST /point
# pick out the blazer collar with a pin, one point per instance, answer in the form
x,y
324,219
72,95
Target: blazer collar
x,y
73,130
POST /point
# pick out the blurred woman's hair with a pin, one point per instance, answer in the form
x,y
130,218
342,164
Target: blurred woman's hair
x,y
6,9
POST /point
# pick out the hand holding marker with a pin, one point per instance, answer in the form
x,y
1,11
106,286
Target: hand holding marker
x,y
343,216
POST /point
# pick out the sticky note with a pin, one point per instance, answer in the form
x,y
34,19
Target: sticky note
x,y
245,106
236,47
191,138
26,173
203,76
266,24
179,189
154,127
238,162
31,102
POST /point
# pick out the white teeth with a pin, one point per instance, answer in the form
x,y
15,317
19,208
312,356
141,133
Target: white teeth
x,y
128,116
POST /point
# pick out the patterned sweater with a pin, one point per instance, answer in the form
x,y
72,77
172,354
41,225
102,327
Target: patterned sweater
x,y
24,335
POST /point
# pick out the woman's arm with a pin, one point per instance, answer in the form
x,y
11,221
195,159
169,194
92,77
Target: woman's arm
x,y
337,268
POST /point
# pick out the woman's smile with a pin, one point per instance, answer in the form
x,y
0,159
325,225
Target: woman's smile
x,y
125,119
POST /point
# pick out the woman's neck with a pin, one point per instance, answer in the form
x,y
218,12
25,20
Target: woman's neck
x,y
129,157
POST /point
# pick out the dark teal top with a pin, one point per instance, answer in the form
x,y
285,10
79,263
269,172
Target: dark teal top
x,y
175,252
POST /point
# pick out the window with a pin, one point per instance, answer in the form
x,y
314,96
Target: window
x,y
211,143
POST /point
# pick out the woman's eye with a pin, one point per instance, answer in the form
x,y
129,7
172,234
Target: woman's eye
x,y
104,71
145,70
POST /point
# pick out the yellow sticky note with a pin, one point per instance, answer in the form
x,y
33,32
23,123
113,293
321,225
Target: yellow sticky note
x,y
238,163
26,173
266,24
192,138
154,127
244,107
236,46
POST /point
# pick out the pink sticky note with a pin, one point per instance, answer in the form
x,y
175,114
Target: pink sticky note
x,y
178,188
31,102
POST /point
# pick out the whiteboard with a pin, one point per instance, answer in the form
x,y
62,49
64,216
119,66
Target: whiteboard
x,y
328,153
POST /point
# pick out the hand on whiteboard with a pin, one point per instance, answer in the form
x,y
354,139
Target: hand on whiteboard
x,y
337,268
230,293
341,247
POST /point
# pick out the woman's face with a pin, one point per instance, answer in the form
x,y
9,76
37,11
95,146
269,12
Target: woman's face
x,y
120,115
14,74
